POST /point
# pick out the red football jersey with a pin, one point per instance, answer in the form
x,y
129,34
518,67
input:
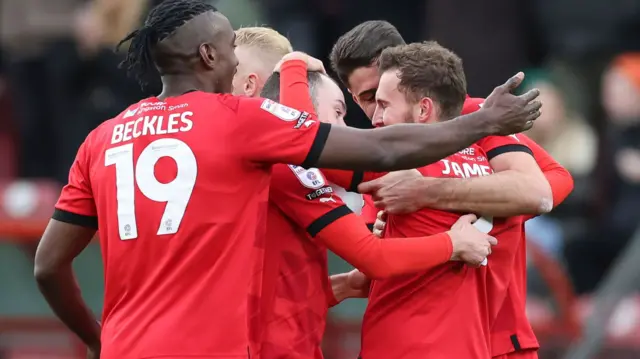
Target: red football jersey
x,y
436,314
179,190
511,328
509,232
291,315
507,268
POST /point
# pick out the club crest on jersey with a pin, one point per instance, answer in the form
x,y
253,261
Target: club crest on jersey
x,y
310,178
281,111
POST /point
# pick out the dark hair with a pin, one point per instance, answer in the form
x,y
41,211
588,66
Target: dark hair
x,y
271,88
426,69
361,46
162,21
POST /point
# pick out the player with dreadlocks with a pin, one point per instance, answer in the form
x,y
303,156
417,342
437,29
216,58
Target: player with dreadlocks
x,y
189,42
176,186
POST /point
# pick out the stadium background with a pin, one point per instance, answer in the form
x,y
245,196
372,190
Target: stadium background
x,y
58,80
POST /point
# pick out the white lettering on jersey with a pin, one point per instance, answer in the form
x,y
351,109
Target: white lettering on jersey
x,y
464,169
281,111
310,178
152,125
176,194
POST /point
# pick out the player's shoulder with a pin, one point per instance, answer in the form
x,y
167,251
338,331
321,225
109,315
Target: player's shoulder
x,y
103,132
472,104
273,108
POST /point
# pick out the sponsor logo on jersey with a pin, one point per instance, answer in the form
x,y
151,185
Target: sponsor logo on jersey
x,y
310,178
302,120
281,111
130,112
319,193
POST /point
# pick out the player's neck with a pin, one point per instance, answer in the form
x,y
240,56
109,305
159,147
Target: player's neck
x,y
177,85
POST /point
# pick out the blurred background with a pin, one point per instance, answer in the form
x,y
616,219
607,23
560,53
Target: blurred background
x,y
59,79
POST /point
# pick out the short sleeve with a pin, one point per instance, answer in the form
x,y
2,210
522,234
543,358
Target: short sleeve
x,y
76,204
543,158
494,146
273,133
305,196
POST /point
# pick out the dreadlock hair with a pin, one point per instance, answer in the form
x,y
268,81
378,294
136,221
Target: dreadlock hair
x,y
162,21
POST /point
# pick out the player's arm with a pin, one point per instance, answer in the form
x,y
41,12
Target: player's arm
x,y
558,177
349,238
294,86
278,134
294,92
71,229
353,284
330,221
517,187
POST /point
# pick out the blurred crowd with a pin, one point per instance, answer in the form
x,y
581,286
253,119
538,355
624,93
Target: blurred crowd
x,y
59,79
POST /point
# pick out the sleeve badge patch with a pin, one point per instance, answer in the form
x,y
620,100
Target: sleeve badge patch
x,y
310,178
280,111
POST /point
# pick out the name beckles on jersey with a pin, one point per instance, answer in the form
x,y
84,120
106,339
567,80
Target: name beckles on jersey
x,y
152,125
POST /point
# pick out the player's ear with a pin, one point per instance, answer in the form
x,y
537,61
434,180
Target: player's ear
x,y
207,55
425,110
251,87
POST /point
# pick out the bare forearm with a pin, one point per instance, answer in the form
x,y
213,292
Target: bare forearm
x,y
400,147
63,295
504,194
340,288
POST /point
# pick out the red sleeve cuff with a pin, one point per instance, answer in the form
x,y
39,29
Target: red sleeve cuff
x,y
444,248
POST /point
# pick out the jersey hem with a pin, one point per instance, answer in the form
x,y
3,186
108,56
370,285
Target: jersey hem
x,y
74,218
512,344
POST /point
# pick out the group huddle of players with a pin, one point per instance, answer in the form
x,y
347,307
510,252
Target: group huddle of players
x,y
214,219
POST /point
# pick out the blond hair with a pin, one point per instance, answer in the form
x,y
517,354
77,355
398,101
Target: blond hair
x,y
265,39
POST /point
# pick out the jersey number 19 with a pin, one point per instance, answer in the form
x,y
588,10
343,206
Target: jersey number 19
x,y
176,194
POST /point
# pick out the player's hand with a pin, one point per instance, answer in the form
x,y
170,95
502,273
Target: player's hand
x,y
358,284
380,223
469,244
510,113
313,64
395,193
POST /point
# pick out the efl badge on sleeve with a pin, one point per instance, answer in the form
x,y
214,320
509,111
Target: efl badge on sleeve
x,y
310,178
280,111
